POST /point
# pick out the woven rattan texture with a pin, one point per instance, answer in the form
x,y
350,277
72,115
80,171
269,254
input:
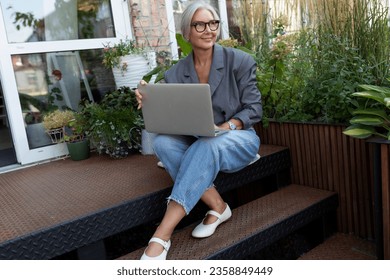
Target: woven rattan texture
x,y
254,225
53,208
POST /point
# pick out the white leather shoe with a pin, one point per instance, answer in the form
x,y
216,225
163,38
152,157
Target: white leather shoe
x,y
163,256
257,157
202,230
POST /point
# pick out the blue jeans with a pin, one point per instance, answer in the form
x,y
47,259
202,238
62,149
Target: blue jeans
x,y
194,163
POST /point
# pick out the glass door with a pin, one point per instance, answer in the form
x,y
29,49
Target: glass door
x,y
7,151
52,59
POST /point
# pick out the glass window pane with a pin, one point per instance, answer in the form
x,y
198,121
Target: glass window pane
x,y
47,81
51,20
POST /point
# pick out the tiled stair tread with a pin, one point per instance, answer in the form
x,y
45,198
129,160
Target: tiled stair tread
x,y
341,246
249,220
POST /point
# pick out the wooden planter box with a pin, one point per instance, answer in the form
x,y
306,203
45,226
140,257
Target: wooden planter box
x,y
323,157
382,188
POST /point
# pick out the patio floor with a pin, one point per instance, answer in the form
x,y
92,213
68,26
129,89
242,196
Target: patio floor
x,y
39,197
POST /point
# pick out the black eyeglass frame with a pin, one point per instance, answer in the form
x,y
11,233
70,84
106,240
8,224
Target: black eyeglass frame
x,y
196,24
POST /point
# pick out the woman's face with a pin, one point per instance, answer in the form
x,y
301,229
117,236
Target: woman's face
x,y
206,39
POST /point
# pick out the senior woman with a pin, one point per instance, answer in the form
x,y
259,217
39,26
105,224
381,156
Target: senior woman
x,y
193,163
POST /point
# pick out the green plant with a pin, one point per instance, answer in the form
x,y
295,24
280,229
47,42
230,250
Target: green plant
x,y
112,54
308,75
372,116
57,119
185,48
284,68
75,129
54,123
252,17
114,125
338,69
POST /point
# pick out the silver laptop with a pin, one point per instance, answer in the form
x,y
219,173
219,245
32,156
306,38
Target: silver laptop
x,y
183,109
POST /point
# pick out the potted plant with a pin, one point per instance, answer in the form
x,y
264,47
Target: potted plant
x,y
114,125
371,121
54,123
75,138
128,62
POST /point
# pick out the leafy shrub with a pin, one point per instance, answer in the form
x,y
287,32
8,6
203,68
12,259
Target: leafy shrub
x,y
338,69
114,125
310,75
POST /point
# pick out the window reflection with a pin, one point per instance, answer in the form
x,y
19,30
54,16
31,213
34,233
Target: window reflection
x,y
49,20
47,81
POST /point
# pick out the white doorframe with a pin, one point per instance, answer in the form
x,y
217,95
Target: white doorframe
x,y
171,29
224,18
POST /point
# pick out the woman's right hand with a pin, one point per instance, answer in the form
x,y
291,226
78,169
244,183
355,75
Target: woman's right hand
x,y
138,95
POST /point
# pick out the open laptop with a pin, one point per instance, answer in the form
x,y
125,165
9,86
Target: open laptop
x,y
183,109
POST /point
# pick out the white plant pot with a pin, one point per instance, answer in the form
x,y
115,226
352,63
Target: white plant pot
x,y
137,67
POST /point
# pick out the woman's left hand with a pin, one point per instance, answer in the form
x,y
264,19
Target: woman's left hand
x,y
138,95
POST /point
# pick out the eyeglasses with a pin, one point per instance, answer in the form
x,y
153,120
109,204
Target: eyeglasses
x,y
200,26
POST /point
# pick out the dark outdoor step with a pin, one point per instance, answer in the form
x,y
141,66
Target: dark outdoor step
x,y
341,246
254,225
54,208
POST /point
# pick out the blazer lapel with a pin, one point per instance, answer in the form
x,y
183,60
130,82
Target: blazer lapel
x,y
189,72
216,74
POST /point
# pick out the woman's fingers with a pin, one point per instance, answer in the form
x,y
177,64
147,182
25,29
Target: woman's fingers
x,y
138,95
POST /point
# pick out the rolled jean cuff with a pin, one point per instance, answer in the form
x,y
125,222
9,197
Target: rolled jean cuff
x,y
181,203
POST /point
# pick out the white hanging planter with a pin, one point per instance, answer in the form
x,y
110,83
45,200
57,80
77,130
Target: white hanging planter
x,y
137,66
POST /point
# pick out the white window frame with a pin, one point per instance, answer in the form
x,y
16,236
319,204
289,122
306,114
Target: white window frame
x,y
224,18
24,154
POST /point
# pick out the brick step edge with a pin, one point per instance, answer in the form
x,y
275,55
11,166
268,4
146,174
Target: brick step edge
x,y
253,226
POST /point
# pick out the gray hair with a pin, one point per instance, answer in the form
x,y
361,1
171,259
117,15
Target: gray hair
x,y
188,14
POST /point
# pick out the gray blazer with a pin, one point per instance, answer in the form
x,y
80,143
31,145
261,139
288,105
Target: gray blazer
x,y
232,81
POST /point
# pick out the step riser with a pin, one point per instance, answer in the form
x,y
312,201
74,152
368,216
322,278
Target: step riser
x,y
254,225
269,236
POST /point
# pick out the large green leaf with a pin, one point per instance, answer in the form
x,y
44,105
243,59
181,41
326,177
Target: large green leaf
x,y
359,131
379,89
148,76
372,112
377,96
367,120
184,45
